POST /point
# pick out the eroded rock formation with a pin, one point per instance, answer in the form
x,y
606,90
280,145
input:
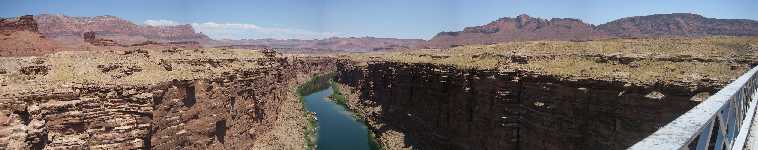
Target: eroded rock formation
x,y
431,106
23,23
66,28
240,108
90,37
19,36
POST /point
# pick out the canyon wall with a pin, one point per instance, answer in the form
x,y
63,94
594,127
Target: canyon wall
x,y
22,23
247,108
67,29
430,106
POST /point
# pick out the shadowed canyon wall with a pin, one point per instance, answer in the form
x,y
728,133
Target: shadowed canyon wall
x,y
444,107
235,110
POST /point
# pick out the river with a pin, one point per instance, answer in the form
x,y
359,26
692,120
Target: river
x,y
337,129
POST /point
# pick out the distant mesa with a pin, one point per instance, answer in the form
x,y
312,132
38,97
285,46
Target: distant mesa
x,y
68,29
23,23
19,36
526,28
63,28
352,44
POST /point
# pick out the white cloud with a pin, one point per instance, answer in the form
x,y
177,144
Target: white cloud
x,y
161,23
245,31
252,31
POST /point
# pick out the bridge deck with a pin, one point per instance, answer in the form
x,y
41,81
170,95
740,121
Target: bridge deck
x,y
752,139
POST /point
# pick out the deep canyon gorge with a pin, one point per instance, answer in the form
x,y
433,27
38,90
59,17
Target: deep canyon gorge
x,y
444,107
480,98
515,83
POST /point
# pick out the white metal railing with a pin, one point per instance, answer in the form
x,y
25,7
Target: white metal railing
x,y
721,122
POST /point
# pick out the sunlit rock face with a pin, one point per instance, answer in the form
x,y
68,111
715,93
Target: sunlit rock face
x,y
444,107
241,109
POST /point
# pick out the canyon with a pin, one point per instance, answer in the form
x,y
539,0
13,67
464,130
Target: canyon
x,y
518,95
154,99
524,95
517,83
444,107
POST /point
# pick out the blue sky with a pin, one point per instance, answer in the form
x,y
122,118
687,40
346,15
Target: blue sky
x,y
307,19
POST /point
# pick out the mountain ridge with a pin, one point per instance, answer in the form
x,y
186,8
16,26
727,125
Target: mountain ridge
x,y
527,28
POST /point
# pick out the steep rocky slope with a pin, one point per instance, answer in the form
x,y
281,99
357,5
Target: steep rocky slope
x,y
66,28
20,37
525,28
444,107
538,95
678,24
155,98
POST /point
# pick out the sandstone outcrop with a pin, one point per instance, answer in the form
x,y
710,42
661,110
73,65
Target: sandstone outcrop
x,y
19,36
154,99
428,106
90,37
66,28
23,23
603,94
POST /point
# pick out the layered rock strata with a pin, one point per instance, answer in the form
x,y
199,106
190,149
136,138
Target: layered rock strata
x,y
433,106
19,36
244,107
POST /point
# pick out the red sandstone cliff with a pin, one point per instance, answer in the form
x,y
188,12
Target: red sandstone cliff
x,y
19,37
65,28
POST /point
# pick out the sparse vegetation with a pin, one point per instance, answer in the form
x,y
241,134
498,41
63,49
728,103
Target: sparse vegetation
x,y
314,84
643,61
341,99
146,68
337,96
